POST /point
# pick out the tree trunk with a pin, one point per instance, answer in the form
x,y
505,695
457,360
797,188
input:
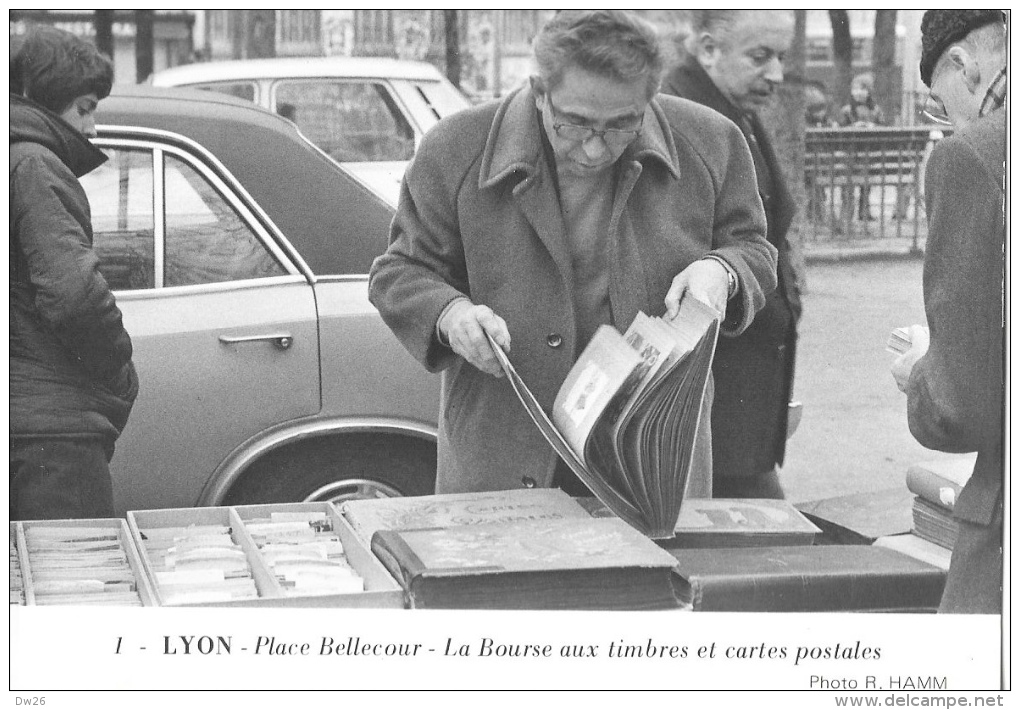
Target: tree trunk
x,y
785,120
452,31
103,21
842,57
883,65
144,49
260,33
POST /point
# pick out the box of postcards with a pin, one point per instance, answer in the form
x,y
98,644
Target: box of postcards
x,y
281,555
76,562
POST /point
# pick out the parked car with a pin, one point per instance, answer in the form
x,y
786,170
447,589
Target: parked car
x,y
239,255
368,113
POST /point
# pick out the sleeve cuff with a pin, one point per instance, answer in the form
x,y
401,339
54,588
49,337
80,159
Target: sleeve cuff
x,y
439,334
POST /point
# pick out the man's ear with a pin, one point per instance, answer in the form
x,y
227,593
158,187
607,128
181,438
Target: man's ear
x,y
706,49
537,88
966,63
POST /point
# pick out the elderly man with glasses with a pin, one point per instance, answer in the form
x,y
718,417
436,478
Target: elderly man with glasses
x,y
576,201
953,377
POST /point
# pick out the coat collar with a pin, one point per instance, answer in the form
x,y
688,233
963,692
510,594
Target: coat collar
x,y
515,141
32,123
690,80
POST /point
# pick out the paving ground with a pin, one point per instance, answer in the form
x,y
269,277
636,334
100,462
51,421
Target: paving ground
x,y
853,436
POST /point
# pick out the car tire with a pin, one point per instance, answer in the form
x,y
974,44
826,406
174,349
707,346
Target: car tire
x,y
339,468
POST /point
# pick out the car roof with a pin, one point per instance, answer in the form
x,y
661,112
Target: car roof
x,y
297,67
312,199
150,104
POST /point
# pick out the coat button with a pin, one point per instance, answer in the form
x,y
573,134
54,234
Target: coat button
x,y
554,340
528,482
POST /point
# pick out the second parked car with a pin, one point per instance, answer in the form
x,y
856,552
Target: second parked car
x,y
367,113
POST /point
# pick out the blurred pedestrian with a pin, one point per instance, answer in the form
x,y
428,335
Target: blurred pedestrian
x,y
574,202
734,62
72,382
954,377
816,107
861,112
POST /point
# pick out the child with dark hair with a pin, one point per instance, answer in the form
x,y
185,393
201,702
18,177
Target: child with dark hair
x,y
861,112
72,382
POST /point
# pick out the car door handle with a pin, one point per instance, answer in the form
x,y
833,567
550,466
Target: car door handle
x,y
280,340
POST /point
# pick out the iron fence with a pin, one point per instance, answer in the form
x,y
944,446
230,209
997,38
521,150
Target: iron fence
x,y
865,183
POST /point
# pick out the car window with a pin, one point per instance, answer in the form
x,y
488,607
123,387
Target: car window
x,y
206,240
350,121
120,195
203,240
240,89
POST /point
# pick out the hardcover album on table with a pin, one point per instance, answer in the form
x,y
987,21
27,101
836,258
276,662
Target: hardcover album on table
x,y
454,509
572,563
804,578
741,522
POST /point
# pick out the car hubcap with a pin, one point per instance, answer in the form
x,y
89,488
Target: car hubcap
x,y
352,489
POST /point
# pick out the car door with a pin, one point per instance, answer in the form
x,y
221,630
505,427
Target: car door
x,y
223,324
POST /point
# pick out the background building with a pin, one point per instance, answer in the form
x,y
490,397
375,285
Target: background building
x,y
495,45
172,35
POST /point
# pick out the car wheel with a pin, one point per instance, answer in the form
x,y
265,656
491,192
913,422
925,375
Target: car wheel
x,y
339,468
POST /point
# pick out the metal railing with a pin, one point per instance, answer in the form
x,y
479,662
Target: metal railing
x,y
865,183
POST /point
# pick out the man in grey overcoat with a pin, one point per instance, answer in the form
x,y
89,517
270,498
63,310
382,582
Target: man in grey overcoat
x,y
576,201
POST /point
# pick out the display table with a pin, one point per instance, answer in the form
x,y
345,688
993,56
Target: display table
x,y
827,576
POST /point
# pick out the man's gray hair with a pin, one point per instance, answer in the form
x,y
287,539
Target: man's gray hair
x,y
611,43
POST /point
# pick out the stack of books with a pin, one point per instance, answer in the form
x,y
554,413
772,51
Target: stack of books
x,y
936,485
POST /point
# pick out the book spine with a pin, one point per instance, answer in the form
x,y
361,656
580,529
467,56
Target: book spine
x,y
801,594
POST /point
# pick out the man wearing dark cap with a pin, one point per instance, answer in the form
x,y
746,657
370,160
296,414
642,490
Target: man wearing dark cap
x,y
954,377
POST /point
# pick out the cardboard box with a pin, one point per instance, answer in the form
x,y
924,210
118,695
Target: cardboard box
x,y
127,542
381,590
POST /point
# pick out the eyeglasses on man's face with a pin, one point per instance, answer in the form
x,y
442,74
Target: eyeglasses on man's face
x,y
613,137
